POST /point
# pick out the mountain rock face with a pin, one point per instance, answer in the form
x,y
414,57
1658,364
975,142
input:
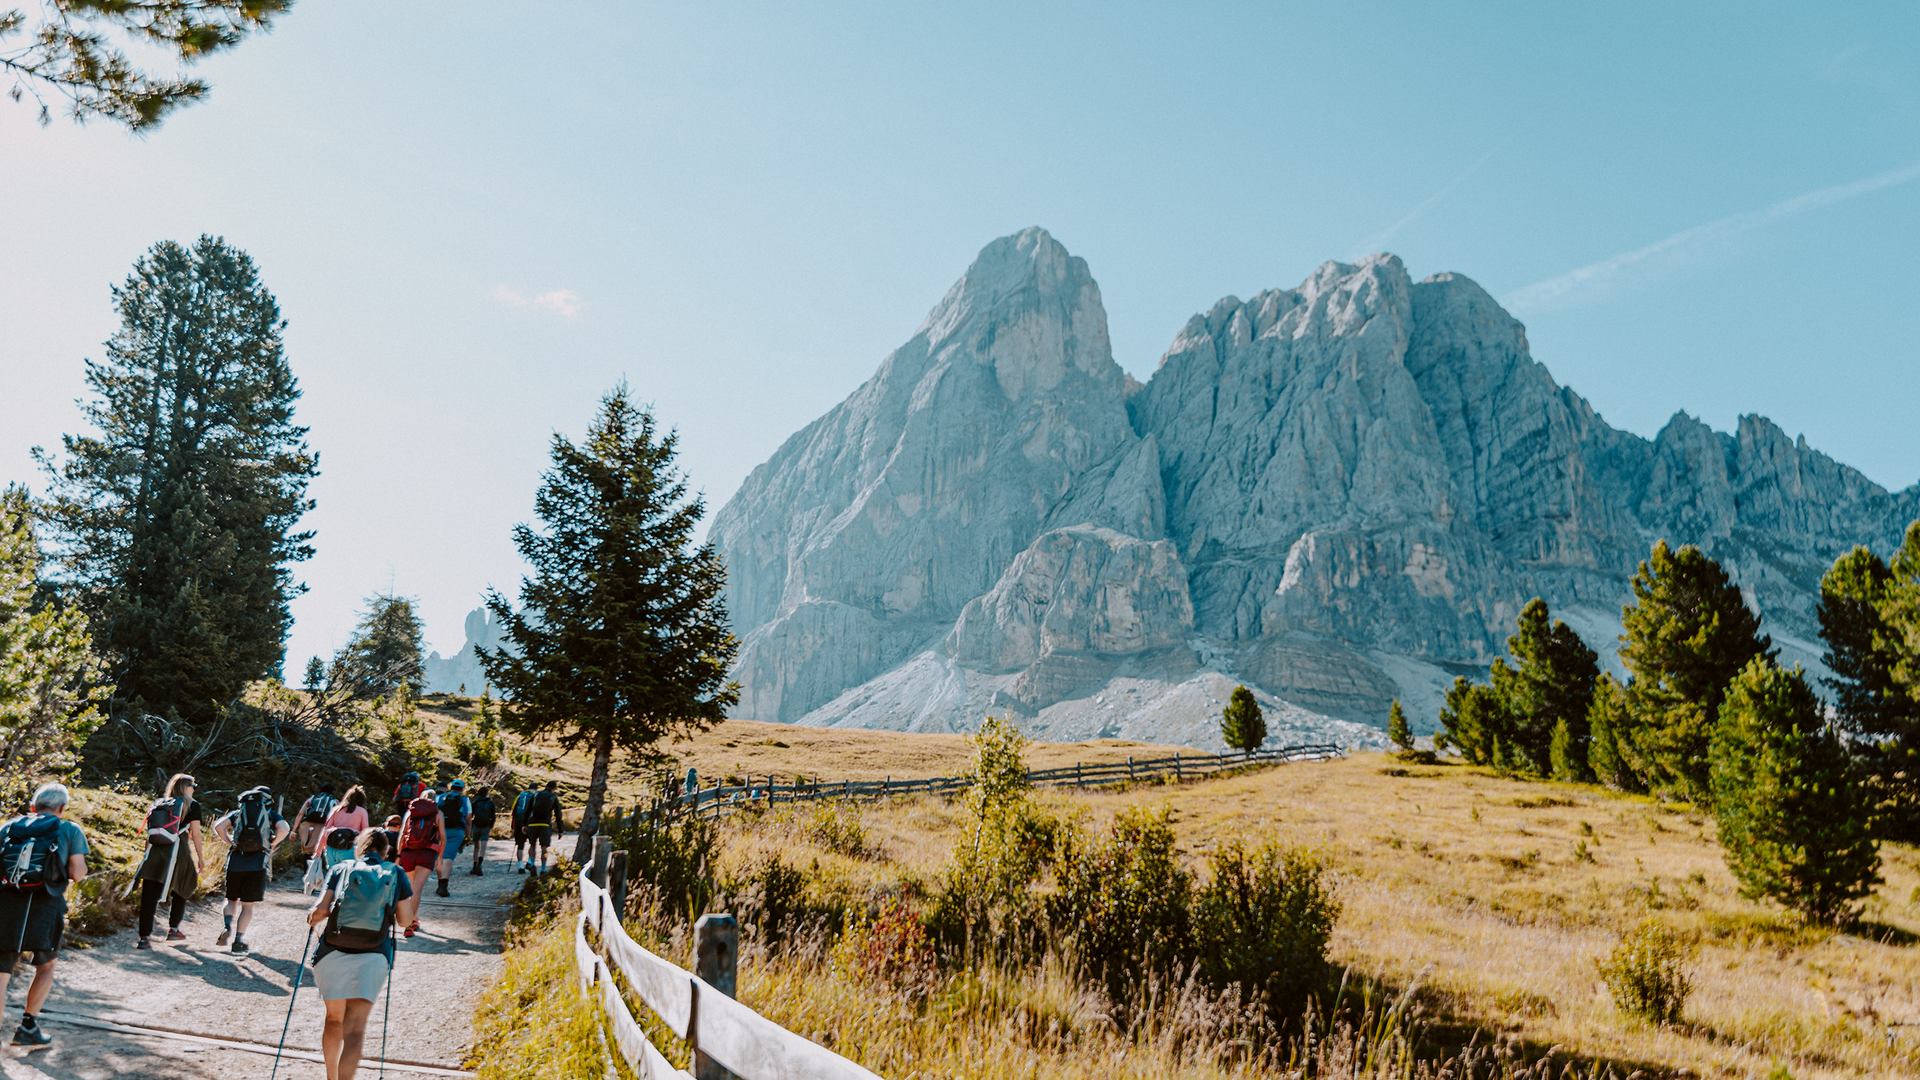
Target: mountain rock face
x,y
1338,494
449,674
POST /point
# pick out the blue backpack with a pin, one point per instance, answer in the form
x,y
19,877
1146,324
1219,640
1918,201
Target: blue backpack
x,y
30,852
363,899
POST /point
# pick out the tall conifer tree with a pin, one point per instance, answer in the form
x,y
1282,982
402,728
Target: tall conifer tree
x,y
1870,617
1547,688
1243,726
385,653
175,523
621,636
1688,633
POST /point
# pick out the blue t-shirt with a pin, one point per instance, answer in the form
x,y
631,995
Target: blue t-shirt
x,y
403,888
68,841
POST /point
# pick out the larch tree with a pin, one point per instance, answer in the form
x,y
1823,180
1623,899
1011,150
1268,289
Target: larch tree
x,y
175,526
1795,825
621,637
1688,633
1399,732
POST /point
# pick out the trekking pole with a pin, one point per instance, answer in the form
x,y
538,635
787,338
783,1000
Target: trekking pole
x,y
298,972
386,1014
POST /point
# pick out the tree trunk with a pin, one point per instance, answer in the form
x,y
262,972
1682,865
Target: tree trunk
x,y
596,795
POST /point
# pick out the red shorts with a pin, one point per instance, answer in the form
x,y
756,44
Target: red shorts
x,y
418,860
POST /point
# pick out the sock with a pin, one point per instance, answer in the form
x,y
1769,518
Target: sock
x,y
227,920
27,1020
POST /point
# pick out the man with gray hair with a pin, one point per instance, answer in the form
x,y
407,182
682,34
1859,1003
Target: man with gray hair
x,y
39,854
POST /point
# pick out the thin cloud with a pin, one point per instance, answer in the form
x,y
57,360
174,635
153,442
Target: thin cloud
x,y
1572,285
564,302
1379,240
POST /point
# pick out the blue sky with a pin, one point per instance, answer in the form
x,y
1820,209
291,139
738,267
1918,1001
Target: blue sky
x,y
480,216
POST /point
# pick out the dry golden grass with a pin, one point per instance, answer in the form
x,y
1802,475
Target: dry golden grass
x,y
1474,886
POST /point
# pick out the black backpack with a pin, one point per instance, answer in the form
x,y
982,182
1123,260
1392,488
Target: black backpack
x,y
163,821
30,852
250,823
540,810
341,838
453,808
319,807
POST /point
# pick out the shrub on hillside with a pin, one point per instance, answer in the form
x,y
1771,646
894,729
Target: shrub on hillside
x,y
1124,899
670,864
987,892
1262,921
1646,973
836,826
891,948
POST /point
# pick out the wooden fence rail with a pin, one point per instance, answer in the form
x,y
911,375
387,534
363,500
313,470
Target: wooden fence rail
x,y
721,1030
720,798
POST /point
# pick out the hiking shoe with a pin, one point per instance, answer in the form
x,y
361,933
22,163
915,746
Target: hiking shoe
x,y
223,938
475,872
144,944
521,869
174,934
443,888
412,929
239,946
30,1036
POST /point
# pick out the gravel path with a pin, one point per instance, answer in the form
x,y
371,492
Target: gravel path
x,y
200,988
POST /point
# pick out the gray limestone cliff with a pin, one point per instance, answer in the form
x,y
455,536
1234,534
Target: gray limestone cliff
x,y
1339,493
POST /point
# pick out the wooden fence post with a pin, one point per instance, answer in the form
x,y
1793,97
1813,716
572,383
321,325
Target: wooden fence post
x,y
1079,780
617,883
1129,768
1177,777
597,873
716,947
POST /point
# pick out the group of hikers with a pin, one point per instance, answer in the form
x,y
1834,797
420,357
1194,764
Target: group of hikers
x,y
369,880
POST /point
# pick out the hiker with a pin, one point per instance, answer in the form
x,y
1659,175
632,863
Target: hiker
x,y
392,829
253,829
517,827
481,827
39,854
350,814
456,812
423,833
168,867
408,790
543,812
312,817
355,956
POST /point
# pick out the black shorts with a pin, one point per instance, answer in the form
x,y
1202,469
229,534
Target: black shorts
x,y
36,957
32,921
246,886
540,834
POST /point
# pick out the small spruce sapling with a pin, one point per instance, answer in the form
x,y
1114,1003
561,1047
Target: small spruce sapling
x,y
1242,724
1397,729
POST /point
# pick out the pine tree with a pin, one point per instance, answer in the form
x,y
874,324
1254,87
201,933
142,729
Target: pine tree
x,y
1871,623
175,523
621,637
1242,724
49,685
1795,825
385,652
1608,758
1548,687
1477,724
1688,632
316,673
1398,732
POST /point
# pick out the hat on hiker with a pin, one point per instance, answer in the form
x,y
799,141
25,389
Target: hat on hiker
x,y
411,776
459,785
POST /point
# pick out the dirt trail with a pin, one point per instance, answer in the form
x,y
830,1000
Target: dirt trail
x,y
202,989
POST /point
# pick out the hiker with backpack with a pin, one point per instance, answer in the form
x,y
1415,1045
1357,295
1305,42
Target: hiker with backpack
x,y
312,817
423,835
517,827
408,790
168,867
352,813
482,827
253,829
40,853
543,812
334,843
358,908
456,812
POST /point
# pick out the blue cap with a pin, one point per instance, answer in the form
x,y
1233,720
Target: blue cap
x,y
459,783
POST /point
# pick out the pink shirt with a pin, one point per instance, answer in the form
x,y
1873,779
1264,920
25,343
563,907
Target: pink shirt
x,y
343,818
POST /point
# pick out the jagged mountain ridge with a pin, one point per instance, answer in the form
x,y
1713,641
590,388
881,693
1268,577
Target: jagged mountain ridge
x,y
1338,493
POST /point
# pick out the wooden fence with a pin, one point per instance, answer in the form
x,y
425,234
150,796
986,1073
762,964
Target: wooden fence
x,y
698,1008
719,797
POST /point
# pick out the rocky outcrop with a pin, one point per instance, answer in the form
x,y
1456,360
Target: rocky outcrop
x,y
1339,493
462,670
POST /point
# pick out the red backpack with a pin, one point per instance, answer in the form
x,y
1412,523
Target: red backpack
x,y
422,816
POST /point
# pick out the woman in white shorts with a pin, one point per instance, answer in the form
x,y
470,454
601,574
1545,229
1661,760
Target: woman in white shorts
x,y
350,979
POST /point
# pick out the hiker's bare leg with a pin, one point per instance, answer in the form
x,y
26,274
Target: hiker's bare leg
x,y
418,875
246,916
330,1037
39,988
353,1035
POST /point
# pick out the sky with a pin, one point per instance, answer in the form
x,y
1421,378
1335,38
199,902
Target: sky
x,y
478,217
